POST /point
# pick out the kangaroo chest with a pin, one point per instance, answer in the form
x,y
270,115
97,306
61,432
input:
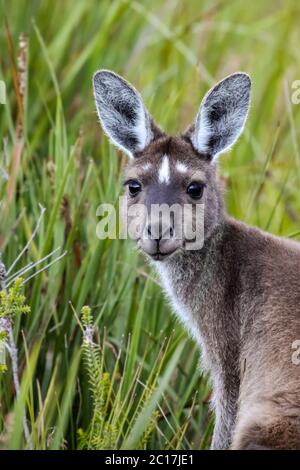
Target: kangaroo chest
x,y
196,295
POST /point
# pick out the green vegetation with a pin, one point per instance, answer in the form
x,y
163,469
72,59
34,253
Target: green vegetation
x,y
138,382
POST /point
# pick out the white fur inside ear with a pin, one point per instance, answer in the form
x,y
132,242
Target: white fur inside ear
x,y
143,129
222,115
200,137
115,142
121,111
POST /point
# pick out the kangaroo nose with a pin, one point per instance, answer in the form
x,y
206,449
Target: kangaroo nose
x,y
159,232
159,239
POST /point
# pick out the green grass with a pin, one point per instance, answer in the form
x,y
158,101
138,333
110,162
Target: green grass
x,y
173,52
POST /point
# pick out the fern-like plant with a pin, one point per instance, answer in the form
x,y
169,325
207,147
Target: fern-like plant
x,y
101,433
12,305
112,418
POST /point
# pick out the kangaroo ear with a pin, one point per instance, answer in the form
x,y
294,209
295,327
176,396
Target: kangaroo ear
x,y
122,113
222,115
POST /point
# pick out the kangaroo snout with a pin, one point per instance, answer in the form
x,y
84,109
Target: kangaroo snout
x,y
159,240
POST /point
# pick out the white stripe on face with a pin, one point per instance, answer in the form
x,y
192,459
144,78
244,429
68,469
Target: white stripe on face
x,y
164,171
181,167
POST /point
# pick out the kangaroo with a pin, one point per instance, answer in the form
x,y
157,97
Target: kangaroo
x,y
239,293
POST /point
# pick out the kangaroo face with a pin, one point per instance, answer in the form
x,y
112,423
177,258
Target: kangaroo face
x,y
171,177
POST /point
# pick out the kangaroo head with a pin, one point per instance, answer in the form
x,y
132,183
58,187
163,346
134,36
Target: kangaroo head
x,y
172,170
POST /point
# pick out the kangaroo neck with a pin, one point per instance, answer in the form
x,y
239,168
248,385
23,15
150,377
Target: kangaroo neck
x,y
189,277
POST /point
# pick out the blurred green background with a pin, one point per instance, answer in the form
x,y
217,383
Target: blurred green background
x,y
54,153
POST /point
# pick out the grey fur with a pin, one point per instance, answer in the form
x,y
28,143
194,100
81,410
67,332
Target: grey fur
x,y
121,112
239,296
222,115
242,292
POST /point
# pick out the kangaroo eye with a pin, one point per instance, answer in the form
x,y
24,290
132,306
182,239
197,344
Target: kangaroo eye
x,y
195,190
134,187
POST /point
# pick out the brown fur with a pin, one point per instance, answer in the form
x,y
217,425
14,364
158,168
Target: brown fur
x,y
239,295
243,292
